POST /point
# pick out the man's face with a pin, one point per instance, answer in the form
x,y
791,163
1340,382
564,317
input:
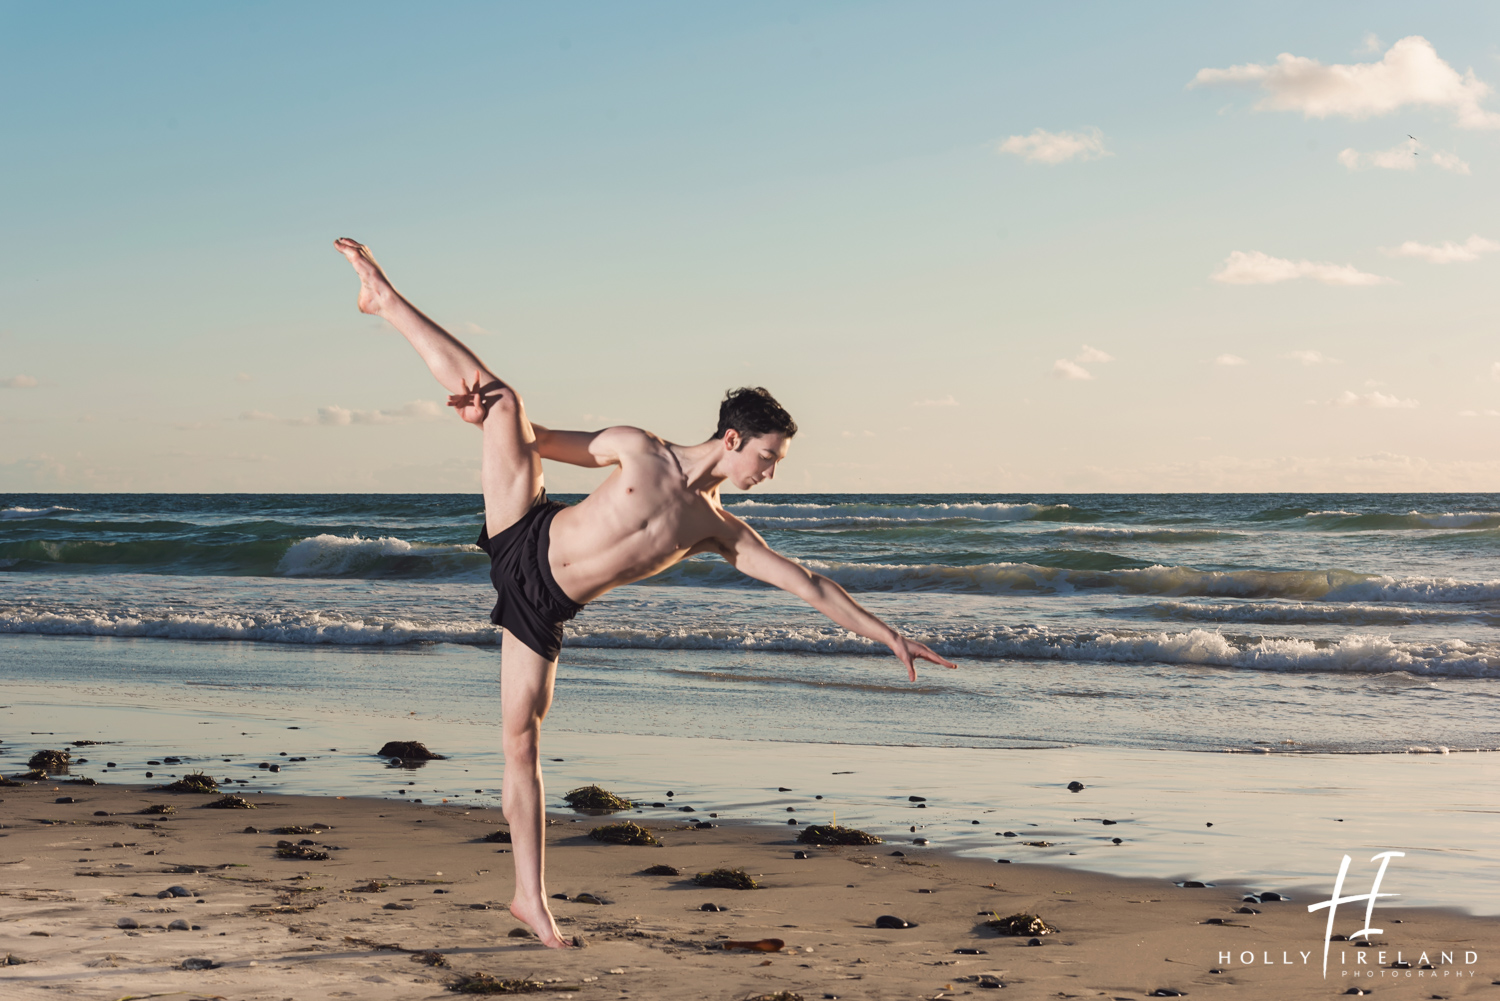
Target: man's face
x,y
749,461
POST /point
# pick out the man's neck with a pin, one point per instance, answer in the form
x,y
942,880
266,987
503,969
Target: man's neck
x,y
699,463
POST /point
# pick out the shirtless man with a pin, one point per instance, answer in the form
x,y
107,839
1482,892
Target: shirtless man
x,y
547,560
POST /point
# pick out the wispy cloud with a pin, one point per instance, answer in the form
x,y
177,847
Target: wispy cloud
x,y
1256,268
1311,358
1403,156
1411,74
1374,399
1065,368
1447,252
947,401
1042,146
337,416
1230,360
18,382
1479,413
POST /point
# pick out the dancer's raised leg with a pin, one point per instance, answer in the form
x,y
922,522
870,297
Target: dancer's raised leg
x,y
526,695
511,473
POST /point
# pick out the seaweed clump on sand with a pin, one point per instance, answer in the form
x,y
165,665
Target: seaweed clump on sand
x,y
726,879
662,870
624,833
1020,924
833,834
286,849
160,809
409,750
497,837
50,761
35,775
231,802
778,996
5,781
595,798
196,782
483,983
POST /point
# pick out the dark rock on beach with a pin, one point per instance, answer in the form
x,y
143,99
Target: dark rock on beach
x,y
891,921
408,750
661,870
1075,786
497,837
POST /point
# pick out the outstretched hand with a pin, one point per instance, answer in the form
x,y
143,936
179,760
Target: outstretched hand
x,y
910,651
470,403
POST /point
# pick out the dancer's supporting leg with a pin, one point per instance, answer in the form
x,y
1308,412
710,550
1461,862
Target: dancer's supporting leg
x,y
511,474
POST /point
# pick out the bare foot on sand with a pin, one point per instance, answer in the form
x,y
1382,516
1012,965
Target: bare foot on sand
x,y
539,919
375,291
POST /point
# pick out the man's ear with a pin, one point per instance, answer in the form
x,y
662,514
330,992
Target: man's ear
x,y
732,440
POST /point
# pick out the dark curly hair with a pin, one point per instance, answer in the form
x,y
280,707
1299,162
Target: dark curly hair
x,y
753,411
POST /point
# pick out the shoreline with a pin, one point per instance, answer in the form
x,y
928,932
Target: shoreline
x,y
313,927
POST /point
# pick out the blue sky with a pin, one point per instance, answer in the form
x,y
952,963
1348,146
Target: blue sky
x,y
627,209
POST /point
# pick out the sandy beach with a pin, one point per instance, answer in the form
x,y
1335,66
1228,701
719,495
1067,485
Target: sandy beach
x,y
404,882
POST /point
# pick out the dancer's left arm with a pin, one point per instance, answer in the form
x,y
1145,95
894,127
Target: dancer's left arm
x,y
748,552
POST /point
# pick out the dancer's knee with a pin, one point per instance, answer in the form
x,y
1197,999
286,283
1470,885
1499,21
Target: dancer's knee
x,y
522,745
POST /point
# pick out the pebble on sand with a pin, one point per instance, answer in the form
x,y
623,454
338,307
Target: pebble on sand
x,y
891,921
1075,786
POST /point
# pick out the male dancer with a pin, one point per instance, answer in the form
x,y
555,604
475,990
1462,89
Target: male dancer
x,y
547,560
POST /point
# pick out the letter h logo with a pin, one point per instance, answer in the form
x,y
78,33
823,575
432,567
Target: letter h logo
x,y
1333,903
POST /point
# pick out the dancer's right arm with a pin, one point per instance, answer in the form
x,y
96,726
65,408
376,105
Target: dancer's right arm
x,y
591,449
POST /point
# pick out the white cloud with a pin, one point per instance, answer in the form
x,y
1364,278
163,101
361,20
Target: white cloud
x,y
1410,74
1064,369
1479,413
1311,358
1256,268
1372,43
1089,354
1227,360
1450,161
18,382
1374,399
1449,252
470,327
947,401
1403,156
1042,146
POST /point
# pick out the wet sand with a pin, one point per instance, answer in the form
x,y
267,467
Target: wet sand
x,y
403,879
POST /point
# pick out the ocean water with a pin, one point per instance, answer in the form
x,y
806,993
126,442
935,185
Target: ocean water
x,y
1299,623
1343,647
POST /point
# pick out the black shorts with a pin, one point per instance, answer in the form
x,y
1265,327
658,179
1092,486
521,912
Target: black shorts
x,y
529,604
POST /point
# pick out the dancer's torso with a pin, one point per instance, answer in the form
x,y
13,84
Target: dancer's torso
x,y
638,522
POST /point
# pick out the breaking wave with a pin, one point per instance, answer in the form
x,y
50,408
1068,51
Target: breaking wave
x,y
1350,654
26,513
860,515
